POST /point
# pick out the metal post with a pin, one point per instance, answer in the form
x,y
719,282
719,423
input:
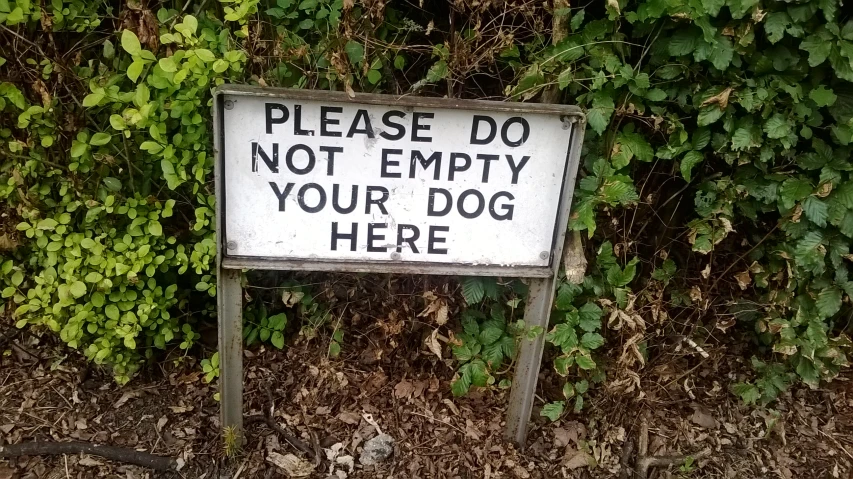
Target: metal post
x,y
229,295
540,297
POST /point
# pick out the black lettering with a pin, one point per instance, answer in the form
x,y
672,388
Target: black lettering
x,y
454,168
493,130
525,131
270,107
425,163
371,237
416,126
339,236
386,162
297,122
487,159
336,204
331,150
416,233
289,159
507,209
386,120
516,169
272,164
448,202
433,240
281,195
301,198
376,201
325,121
460,204
361,115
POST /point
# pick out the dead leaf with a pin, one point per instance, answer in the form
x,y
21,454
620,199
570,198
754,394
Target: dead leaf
x,y
707,271
81,424
432,343
290,464
89,461
577,459
824,190
721,99
743,279
695,294
350,418
703,418
404,389
126,397
614,4
161,422
7,428
291,298
6,473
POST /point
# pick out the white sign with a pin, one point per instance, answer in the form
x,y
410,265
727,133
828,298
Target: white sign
x,y
338,180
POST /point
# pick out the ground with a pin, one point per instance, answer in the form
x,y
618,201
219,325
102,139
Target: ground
x,y
387,375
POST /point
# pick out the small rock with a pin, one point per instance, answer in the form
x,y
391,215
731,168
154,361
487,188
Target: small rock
x,y
377,450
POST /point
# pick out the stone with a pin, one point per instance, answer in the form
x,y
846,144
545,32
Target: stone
x,y
377,450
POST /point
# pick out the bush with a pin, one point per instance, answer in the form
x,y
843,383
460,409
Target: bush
x,y
724,124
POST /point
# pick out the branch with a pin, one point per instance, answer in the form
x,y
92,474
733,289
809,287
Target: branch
x,y
119,454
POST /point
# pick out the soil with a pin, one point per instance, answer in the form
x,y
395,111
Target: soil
x,y
386,375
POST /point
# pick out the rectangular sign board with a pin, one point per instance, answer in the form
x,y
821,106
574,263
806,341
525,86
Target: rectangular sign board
x,y
308,178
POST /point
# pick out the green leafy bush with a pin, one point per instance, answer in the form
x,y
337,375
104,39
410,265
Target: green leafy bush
x,y
724,124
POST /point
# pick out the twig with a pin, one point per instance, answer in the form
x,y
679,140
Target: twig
x,y
644,461
120,454
272,424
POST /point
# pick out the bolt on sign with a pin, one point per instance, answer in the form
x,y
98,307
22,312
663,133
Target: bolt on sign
x,y
310,180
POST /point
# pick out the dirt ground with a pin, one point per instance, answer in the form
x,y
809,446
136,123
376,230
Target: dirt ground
x,y
49,393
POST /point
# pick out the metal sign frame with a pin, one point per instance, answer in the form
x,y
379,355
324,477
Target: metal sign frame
x,y
541,279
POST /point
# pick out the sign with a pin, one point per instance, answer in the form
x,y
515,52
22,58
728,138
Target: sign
x,y
315,177
309,180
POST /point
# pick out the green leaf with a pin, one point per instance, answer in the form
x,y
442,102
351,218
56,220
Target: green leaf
x,y
590,317
472,289
553,410
775,24
690,160
112,311
581,386
490,335
592,341
373,76
828,302
135,69
794,190
777,126
585,362
437,72
817,48
113,184
220,65
130,42
17,278
92,99
748,393
277,339
815,210
78,149
563,336
355,52
708,115
460,387
684,41
205,55
155,228
823,96
168,65
100,139
568,390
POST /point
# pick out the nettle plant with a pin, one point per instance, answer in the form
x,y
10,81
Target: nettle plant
x,y
491,327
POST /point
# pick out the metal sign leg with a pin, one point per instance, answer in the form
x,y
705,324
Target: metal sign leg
x,y
540,297
230,297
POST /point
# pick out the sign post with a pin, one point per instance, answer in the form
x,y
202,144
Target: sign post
x,y
320,181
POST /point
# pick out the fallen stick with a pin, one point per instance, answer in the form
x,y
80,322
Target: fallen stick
x,y
119,454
